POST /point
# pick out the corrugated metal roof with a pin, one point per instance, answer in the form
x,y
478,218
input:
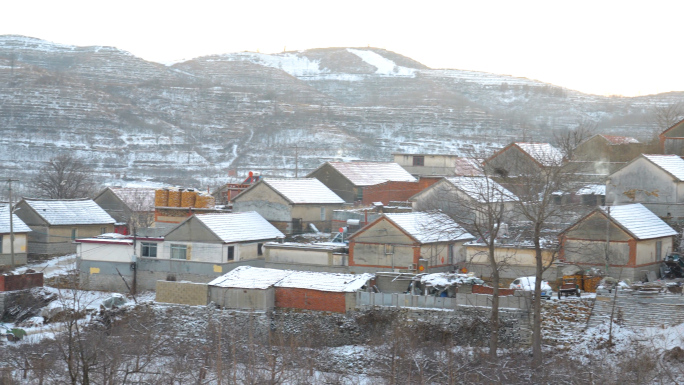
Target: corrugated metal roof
x,y
240,227
482,189
673,164
248,277
70,211
639,221
372,173
430,227
136,198
543,153
304,190
18,226
325,281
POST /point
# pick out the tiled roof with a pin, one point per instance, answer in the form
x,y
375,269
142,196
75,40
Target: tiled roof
x,y
481,188
18,226
325,281
639,221
136,198
617,140
304,190
248,277
543,153
673,164
70,211
429,227
240,227
467,167
372,173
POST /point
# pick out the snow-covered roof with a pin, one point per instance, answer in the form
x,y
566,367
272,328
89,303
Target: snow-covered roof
x,y
248,277
467,167
672,164
239,227
443,280
543,153
617,140
304,190
372,173
429,227
136,198
592,189
70,211
481,188
639,221
18,226
325,281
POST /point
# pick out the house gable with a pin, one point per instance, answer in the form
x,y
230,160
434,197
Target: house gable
x,y
383,231
192,230
640,181
29,215
335,181
261,192
593,227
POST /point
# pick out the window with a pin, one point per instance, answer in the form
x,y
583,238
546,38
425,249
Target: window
x,y
148,249
659,250
322,213
1,244
260,250
74,233
359,193
103,230
231,253
179,251
418,160
389,249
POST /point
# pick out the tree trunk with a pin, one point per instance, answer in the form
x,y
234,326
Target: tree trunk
x,y
536,325
494,319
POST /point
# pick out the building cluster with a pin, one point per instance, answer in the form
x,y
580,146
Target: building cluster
x,y
367,218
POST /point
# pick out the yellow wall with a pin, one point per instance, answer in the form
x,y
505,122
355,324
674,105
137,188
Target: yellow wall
x,y
508,255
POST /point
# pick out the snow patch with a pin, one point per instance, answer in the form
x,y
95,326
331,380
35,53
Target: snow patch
x,y
384,66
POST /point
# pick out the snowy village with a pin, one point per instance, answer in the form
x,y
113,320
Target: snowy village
x,y
341,216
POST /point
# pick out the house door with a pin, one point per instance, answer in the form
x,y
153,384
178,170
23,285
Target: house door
x,y
296,225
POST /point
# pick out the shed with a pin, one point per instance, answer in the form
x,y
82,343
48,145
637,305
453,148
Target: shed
x,y
320,291
246,287
20,230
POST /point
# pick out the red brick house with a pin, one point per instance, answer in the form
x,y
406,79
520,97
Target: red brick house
x,y
320,291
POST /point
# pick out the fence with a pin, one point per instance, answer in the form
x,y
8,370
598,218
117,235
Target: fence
x,y
365,299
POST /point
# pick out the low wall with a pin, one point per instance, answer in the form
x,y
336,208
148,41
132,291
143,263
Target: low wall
x,y
521,301
20,281
295,298
481,289
246,299
19,259
183,293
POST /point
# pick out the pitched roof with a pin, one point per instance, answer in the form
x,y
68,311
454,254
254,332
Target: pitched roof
x,y
429,227
325,281
372,173
638,220
70,211
467,167
18,226
481,188
303,190
543,153
248,277
136,198
592,189
617,140
239,227
672,164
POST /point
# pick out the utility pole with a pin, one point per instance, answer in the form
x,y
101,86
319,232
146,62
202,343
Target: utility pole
x,y
11,221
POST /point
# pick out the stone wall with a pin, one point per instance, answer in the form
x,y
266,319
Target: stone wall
x,y
20,281
183,293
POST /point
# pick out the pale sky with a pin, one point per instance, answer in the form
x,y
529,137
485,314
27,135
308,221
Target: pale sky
x,y
601,47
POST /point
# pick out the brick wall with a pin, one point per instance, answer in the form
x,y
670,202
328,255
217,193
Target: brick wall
x,y
395,191
482,289
310,299
184,293
20,282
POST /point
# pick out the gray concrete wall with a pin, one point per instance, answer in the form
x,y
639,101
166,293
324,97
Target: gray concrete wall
x,y
96,275
366,300
238,298
19,259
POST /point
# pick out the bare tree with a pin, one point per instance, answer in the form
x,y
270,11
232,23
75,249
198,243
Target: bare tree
x,y
481,206
64,177
540,188
666,116
568,139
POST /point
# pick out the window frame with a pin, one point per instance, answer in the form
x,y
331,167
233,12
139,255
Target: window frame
x,y
419,160
178,247
230,255
149,246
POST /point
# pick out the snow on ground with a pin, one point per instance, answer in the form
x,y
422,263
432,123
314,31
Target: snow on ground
x,y
292,64
384,66
53,267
